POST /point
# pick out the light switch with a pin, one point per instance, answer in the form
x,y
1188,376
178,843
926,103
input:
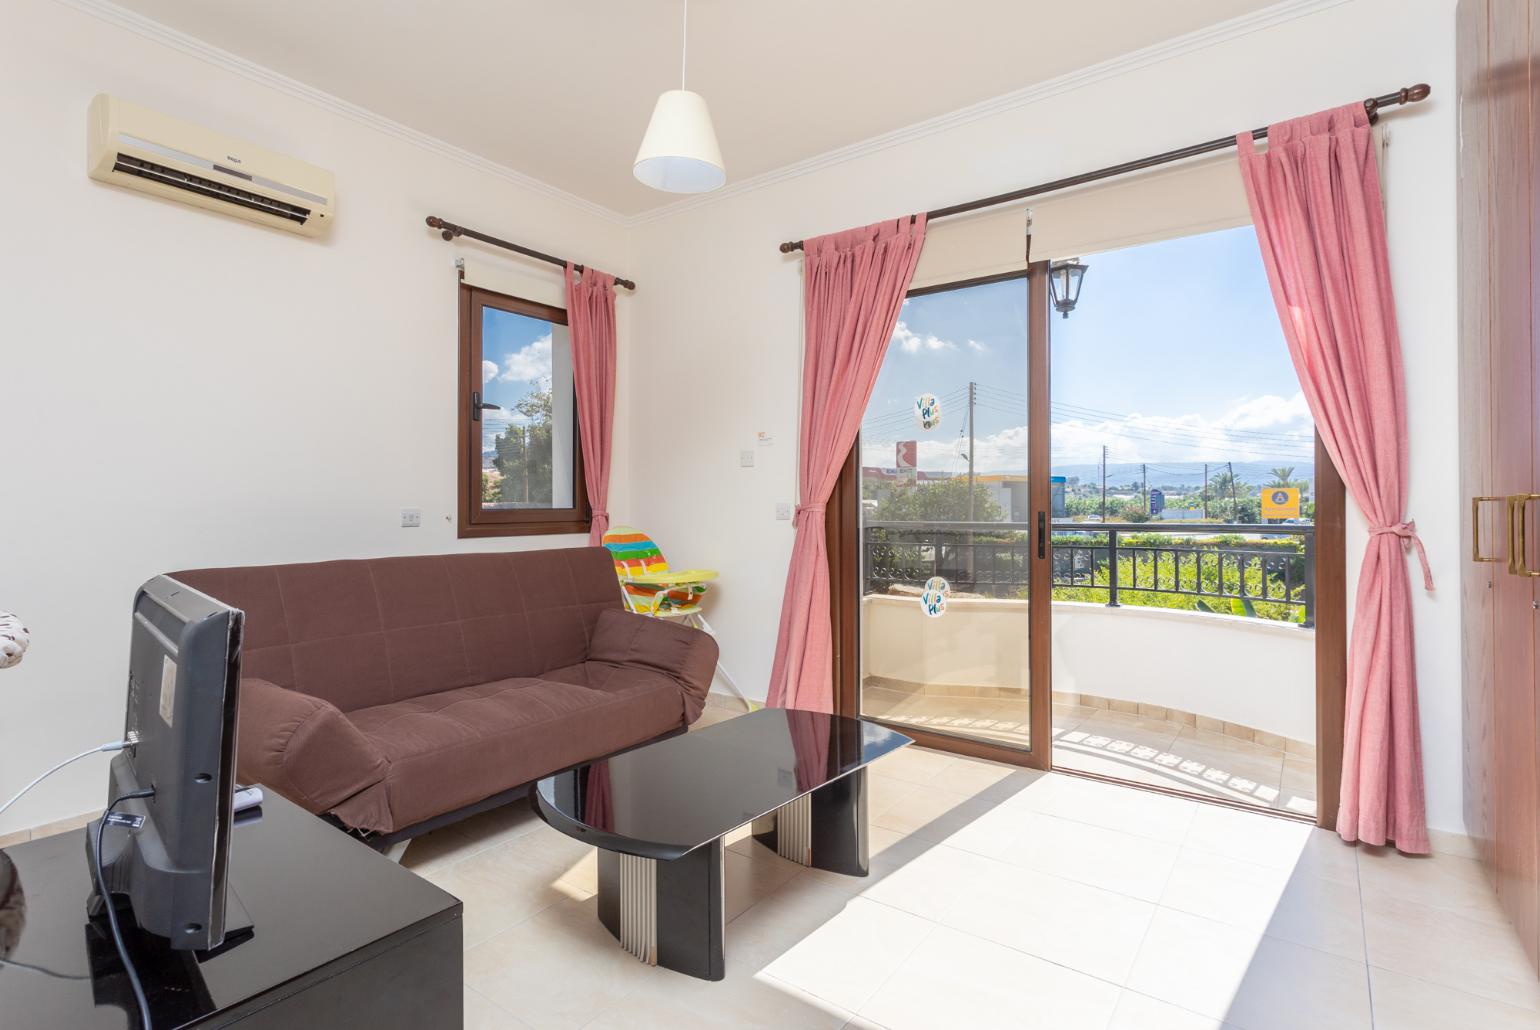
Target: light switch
x,y
746,459
783,511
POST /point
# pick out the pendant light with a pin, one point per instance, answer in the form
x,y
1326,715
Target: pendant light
x,y
679,153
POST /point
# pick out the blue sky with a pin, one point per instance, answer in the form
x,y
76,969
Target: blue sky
x,y
1173,355
516,360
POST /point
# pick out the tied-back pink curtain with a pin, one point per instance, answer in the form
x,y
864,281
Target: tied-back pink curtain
x,y
591,323
853,286
1320,220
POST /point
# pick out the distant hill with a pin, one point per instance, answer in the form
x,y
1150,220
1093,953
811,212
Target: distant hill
x,y
1179,475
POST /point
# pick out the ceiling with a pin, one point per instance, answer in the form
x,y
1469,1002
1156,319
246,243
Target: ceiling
x,y
563,91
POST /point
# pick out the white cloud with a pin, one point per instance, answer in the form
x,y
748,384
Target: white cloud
x,y
911,342
1266,428
488,371
530,363
977,347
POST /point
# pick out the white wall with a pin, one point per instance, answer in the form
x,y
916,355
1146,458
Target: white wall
x,y
720,318
179,389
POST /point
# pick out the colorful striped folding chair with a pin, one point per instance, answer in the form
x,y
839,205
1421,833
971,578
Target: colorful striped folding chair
x,y
651,588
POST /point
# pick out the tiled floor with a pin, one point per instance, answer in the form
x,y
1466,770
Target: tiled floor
x,y
1005,898
1128,746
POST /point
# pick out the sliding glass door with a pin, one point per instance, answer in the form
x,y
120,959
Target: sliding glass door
x,y
947,494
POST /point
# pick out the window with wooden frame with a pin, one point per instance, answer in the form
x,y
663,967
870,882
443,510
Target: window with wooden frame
x,y
521,465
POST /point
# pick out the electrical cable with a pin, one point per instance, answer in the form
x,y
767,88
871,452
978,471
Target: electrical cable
x,y
112,910
116,745
10,963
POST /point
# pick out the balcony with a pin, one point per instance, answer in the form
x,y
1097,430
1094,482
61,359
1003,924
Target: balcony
x,y
1183,654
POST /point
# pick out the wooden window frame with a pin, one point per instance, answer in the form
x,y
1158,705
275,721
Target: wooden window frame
x,y
473,520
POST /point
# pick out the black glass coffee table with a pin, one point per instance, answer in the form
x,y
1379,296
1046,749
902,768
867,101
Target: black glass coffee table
x,y
659,813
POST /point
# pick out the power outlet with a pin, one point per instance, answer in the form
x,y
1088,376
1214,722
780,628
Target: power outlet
x,y
411,518
783,511
746,459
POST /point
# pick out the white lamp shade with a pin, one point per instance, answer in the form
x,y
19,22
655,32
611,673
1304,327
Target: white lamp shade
x,y
679,154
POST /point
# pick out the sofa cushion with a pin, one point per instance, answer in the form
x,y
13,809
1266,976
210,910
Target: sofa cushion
x,y
459,746
364,633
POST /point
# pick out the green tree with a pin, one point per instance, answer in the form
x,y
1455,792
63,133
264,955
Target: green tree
x,y
523,453
1283,476
944,500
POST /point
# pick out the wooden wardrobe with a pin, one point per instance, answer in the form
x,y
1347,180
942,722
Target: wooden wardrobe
x,y
1498,66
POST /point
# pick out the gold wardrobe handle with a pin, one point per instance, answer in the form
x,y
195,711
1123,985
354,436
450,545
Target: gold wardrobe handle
x,y
1475,528
1518,516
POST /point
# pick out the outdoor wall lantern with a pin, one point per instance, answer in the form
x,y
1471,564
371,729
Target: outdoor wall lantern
x,y
1064,284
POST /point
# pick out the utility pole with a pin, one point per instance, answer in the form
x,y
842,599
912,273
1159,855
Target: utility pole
x,y
1205,491
1104,482
1234,505
973,389
1144,477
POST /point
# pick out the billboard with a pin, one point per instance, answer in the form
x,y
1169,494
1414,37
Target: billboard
x,y
905,458
1280,502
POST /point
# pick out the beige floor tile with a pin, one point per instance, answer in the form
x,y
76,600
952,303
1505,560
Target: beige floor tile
x,y
672,1001
67,825
956,980
1156,816
915,764
931,814
749,879
845,960
1288,986
498,826
481,1013
1444,947
1293,906
560,968
500,894
1193,963
437,850
986,781
1085,928
1265,840
1437,881
1243,977
1137,1011
883,791
932,883
1297,788
1110,859
1406,1003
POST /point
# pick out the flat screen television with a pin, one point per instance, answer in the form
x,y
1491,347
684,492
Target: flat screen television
x,y
168,855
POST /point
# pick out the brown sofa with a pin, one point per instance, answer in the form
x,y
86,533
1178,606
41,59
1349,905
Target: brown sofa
x,y
398,694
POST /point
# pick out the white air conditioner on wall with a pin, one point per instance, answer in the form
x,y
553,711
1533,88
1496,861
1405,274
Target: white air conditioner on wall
x,y
133,146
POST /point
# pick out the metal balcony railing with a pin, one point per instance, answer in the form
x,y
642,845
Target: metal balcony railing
x,y
1269,564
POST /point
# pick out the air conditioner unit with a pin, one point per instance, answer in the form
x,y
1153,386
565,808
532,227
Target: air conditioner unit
x,y
133,146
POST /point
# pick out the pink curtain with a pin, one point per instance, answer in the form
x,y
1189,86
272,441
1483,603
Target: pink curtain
x,y
853,284
591,323
1320,220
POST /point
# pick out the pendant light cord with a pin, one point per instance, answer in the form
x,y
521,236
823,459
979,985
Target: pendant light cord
x,y
684,44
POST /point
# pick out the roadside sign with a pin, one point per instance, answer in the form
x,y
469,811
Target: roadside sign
x,y
1157,500
1280,502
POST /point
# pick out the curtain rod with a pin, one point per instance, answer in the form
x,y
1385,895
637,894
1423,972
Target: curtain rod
x,y
1409,95
449,231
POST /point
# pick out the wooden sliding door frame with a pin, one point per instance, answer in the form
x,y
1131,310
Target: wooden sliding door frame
x,y
844,542
842,526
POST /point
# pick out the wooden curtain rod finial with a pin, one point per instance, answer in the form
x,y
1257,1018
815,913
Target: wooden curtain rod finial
x,y
787,248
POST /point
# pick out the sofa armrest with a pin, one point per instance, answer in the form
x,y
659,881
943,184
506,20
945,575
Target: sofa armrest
x,y
302,747
685,655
